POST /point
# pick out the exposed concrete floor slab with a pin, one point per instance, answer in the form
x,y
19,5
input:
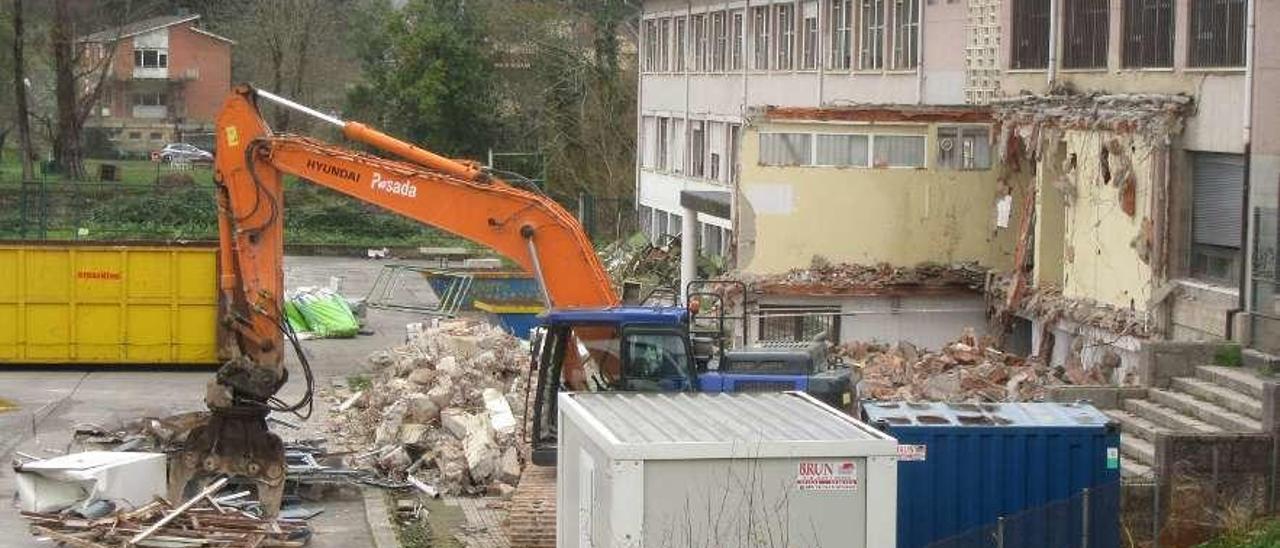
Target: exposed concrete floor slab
x,y
51,400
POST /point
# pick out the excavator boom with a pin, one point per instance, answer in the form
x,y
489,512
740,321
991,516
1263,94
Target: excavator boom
x,y
522,225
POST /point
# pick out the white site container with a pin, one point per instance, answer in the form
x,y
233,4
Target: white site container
x,y
661,470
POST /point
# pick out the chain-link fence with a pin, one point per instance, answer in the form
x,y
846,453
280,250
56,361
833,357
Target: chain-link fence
x,y
106,211
1088,519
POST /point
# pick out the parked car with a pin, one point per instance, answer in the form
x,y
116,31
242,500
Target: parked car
x,y
183,152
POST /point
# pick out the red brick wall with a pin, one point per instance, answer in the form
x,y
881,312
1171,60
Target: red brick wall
x,y
211,60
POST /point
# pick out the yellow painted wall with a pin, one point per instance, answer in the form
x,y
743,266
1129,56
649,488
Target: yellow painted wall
x,y
901,216
1101,259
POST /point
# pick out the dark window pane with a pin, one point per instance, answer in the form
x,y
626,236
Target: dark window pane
x,y
1217,33
1086,34
1148,33
1030,34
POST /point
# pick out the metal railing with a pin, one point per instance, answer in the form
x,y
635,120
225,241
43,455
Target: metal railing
x,y
1088,519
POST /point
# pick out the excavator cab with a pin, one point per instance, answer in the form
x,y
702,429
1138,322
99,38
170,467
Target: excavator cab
x,y
624,349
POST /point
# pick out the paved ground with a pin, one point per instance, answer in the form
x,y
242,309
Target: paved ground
x,y
53,399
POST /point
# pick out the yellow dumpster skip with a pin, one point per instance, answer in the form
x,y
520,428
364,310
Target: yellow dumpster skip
x,y
78,303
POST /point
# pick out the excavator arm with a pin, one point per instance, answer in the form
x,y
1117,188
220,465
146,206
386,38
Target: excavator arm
x,y
522,225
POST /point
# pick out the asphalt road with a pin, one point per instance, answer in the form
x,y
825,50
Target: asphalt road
x,y
51,400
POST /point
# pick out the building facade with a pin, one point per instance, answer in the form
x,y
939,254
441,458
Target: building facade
x,y
1105,160
166,80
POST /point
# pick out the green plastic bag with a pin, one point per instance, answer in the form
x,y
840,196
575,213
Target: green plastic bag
x,y
327,314
295,319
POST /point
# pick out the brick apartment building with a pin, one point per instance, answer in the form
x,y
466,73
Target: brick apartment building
x,y
165,84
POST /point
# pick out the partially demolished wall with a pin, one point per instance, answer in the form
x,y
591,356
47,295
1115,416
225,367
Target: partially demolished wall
x,y
1103,221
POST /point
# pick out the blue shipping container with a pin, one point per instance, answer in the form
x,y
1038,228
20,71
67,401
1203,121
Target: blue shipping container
x,y
963,466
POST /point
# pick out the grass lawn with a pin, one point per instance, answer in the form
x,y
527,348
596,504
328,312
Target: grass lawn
x,y
132,172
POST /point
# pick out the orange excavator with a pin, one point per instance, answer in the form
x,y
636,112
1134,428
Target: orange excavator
x,y
587,341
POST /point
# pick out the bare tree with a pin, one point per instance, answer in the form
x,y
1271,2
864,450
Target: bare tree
x,y
20,93
66,143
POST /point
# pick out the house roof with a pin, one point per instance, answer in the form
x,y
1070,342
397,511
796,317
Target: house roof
x,y
141,27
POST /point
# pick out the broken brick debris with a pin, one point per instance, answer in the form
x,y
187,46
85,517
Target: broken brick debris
x,y
1048,304
966,370
824,278
443,407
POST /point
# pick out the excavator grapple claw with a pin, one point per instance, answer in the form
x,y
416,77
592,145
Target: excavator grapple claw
x,y
235,443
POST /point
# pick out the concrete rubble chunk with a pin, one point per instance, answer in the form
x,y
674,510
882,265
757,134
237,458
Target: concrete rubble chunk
x,y
451,399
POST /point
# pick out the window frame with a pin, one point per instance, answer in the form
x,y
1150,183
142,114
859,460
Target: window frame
x,y
698,34
679,44
785,52
817,135
737,39
841,27
1021,38
810,38
719,35
961,131
924,155
1195,9
906,52
1129,40
871,34
761,38
1086,34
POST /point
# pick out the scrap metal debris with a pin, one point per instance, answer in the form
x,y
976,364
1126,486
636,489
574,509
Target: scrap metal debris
x,y
443,411
963,371
200,521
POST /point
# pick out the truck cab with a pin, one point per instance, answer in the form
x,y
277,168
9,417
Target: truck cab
x,y
621,349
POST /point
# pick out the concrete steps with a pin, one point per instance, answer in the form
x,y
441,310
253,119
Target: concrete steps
x,y
1138,449
1168,418
1238,379
1215,400
1209,412
1136,426
1220,396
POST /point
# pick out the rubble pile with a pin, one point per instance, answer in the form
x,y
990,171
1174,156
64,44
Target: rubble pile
x,y
1147,113
444,409
825,278
963,371
1051,306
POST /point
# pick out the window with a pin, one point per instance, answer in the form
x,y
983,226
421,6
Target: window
x,y
697,148
785,19
964,147
1030,43
664,45
156,136
1148,33
655,360
675,223
151,58
906,33
663,142
1217,182
680,35
841,150
699,23
898,151
841,35
871,45
1085,34
645,215
785,149
712,240
809,36
737,38
720,41
149,99
677,145
798,322
760,38
1217,33
135,135
650,45
660,221
714,172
